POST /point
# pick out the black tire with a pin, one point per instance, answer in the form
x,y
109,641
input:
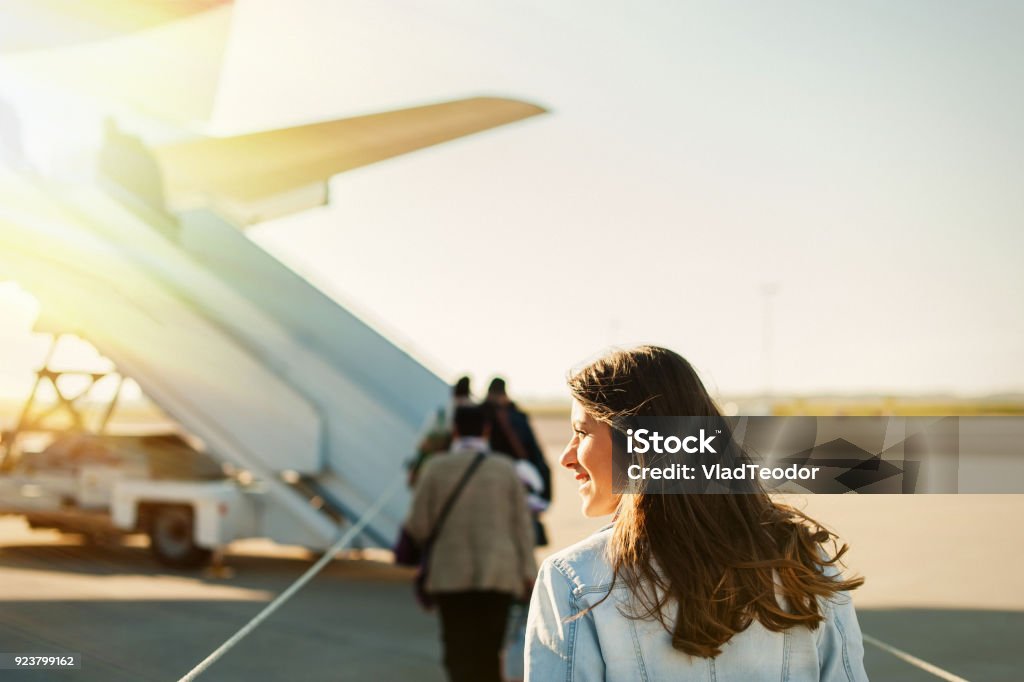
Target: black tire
x,y
171,531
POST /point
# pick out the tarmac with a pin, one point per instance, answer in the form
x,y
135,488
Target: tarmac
x,y
941,586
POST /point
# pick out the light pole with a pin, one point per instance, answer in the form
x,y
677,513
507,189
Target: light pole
x,y
768,292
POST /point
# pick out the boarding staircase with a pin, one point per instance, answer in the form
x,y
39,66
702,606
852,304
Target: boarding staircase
x,y
271,374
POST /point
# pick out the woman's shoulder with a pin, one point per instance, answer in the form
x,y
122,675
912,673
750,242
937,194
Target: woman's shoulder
x,y
584,565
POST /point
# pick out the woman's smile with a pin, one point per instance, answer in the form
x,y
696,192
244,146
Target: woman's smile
x,y
589,456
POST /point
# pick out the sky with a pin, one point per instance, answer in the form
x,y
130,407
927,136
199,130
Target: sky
x,y
863,161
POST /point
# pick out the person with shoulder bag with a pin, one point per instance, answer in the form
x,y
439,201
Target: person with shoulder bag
x,y
470,518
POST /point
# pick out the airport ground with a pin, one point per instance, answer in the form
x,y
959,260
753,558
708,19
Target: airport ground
x,y
942,585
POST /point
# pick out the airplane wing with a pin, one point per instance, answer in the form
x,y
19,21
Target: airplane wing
x,y
255,177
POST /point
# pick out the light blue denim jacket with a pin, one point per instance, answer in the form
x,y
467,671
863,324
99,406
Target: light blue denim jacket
x,y
605,645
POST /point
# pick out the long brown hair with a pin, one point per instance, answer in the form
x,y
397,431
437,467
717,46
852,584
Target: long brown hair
x,y
722,559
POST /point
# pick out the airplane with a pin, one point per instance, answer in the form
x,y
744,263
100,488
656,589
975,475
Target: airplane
x,y
147,258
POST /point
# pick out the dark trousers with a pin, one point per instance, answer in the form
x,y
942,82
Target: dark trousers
x,y
473,631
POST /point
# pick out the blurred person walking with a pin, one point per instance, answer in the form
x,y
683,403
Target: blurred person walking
x,y
687,586
438,436
512,434
469,512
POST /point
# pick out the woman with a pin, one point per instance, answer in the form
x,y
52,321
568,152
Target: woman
x,y
683,587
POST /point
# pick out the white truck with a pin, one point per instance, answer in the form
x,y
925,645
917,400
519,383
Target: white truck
x,y
104,485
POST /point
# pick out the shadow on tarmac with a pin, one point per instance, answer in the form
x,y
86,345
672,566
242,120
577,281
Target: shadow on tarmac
x,y
357,620
977,645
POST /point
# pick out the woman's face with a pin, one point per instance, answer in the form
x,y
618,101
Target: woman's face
x,y
589,455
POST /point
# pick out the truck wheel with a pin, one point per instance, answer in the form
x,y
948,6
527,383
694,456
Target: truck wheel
x,y
172,537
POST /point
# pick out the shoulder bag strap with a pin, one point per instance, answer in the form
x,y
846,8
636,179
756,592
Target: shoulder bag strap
x,y
450,502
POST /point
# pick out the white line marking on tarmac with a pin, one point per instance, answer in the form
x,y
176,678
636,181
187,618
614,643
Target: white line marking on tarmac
x,y
269,609
915,661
